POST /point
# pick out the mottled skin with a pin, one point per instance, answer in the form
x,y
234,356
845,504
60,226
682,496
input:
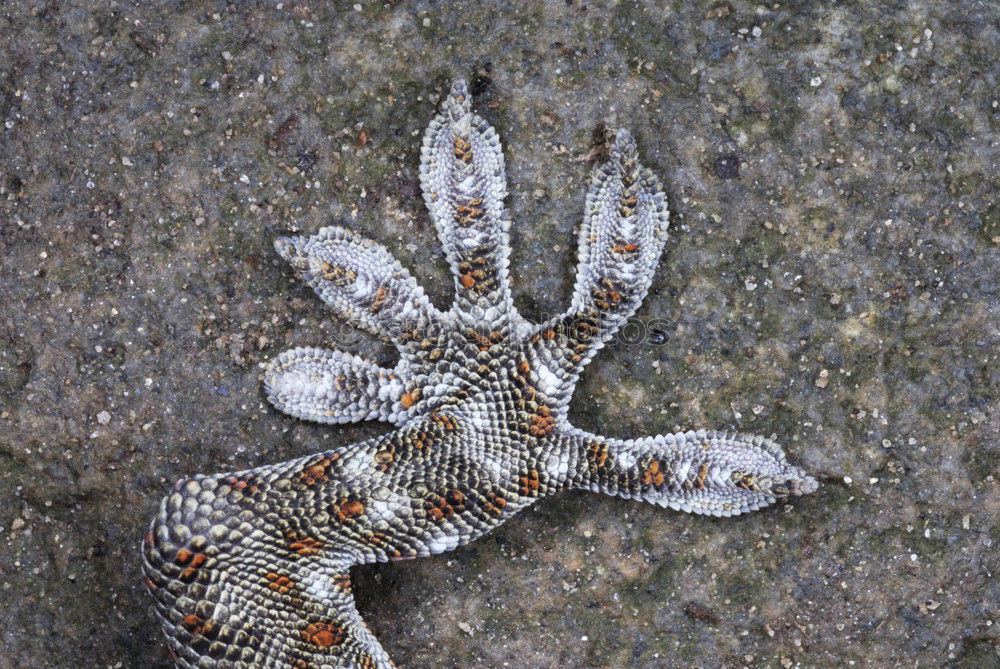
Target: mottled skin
x,y
251,568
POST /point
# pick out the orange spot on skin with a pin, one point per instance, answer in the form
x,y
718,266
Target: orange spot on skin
x,y
382,540
305,546
494,504
183,556
529,483
324,634
745,481
656,474
379,300
607,296
339,276
472,212
350,509
541,422
444,420
246,485
445,506
466,215
407,400
385,458
318,472
280,584
463,149
597,455
481,340
197,625
702,475
467,281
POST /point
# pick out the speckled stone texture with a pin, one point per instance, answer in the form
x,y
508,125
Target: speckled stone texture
x,y
832,279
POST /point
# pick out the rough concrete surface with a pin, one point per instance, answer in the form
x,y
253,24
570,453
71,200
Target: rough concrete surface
x,y
832,279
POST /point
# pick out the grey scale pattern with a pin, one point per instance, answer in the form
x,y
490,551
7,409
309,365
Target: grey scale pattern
x,y
251,568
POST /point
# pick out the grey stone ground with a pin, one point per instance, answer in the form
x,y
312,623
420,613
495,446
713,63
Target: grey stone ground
x,y
832,280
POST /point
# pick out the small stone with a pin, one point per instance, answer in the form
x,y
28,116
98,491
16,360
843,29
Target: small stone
x,y
727,166
823,379
104,418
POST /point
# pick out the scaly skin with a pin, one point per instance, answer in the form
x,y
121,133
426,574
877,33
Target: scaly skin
x,y
251,568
